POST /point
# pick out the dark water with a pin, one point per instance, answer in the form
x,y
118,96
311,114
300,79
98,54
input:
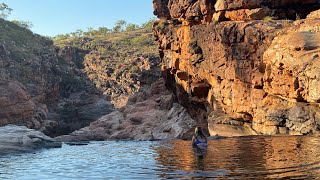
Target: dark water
x,y
230,158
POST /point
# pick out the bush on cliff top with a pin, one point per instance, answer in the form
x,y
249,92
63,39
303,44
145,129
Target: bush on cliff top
x,y
21,40
117,59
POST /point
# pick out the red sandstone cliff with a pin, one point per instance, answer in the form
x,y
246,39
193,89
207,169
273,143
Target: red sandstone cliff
x,y
243,62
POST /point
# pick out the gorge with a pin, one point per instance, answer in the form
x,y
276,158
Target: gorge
x,y
234,67
124,103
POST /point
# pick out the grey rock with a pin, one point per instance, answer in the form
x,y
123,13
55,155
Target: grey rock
x,y
18,139
155,118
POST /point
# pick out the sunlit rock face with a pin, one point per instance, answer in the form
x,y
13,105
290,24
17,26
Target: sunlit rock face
x,y
227,65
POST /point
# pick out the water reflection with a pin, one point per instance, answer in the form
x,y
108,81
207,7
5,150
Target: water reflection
x,y
246,157
230,158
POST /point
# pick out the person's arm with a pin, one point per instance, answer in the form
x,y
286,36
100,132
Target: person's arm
x,y
193,140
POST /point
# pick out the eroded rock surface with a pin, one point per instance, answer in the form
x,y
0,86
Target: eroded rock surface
x,y
15,103
42,86
18,139
150,114
254,73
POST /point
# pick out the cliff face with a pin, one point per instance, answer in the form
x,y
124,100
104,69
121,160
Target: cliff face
x,y
63,88
42,86
118,63
238,63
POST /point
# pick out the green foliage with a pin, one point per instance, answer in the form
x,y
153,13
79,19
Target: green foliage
x,y
23,24
116,57
142,40
5,11
20,40
131,27
103,30
149,24
267,18
119,26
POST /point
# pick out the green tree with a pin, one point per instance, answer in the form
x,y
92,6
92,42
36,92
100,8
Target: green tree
x,y
24,24
5,11
119,26
79,33
104,30
132,27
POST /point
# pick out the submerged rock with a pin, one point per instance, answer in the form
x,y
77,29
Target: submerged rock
x,y
17,139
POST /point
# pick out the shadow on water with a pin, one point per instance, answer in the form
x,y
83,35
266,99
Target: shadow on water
x,y
255,157
246,157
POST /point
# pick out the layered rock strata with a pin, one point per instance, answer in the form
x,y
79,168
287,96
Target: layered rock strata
x,y
253,73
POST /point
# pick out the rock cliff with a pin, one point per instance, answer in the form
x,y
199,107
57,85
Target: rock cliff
x,y
118,63
250,64
42,86
151,114
62,86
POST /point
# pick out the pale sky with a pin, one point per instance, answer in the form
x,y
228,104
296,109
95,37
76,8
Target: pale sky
x,y
52,17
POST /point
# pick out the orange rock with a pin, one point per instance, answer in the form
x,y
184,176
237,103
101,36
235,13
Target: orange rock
x,y
265,74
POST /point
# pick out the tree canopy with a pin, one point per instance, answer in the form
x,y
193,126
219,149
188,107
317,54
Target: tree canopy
x,y
120,26
5,11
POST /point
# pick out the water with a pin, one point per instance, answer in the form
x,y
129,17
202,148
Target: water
x,y
229,158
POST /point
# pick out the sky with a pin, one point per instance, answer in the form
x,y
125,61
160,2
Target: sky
x,y
53,17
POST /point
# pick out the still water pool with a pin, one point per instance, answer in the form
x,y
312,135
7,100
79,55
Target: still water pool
x,y
229,158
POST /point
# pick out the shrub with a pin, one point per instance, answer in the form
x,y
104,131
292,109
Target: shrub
x,y
267,18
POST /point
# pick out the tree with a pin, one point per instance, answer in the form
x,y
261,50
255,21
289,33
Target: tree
x,y
5,11
119,26
104,30
79,33
24,24
132,27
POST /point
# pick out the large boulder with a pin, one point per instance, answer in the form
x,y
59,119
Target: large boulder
x,y
18,139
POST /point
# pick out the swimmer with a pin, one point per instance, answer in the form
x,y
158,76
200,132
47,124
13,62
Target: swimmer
x,y
199,140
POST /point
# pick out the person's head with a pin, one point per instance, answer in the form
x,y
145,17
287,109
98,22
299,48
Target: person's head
x,y
198,131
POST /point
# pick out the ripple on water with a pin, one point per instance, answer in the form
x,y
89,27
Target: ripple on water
x,y
234,158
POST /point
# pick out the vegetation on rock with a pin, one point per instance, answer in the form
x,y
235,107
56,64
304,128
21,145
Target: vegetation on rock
x,y
118,60
57,78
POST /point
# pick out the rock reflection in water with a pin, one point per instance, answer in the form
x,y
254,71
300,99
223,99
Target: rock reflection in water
x,y
245,157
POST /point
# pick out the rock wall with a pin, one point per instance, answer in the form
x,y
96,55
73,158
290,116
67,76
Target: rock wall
x,y
151,114
42,86
239,63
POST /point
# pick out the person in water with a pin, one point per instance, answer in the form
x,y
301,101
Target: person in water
x,y
199,140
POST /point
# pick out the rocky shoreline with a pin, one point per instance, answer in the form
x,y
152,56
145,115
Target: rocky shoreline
x,y
150,114
20,139
236,68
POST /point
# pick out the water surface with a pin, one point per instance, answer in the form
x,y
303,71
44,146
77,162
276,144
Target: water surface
x,y
229,158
